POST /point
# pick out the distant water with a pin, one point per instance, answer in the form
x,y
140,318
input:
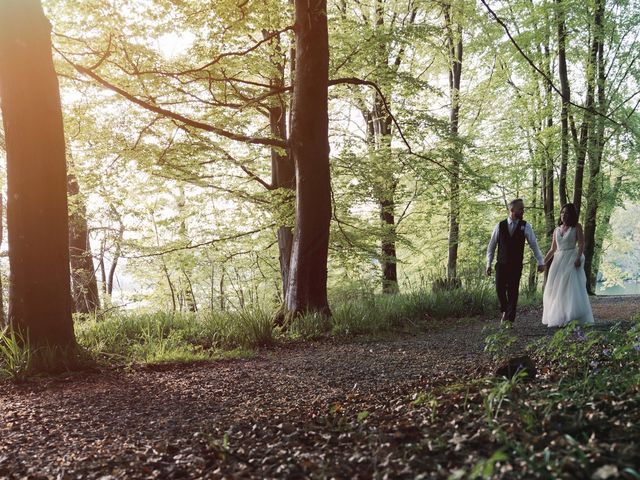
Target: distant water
x,y
631,288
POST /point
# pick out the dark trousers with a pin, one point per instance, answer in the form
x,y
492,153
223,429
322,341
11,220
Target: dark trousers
x,y
507,287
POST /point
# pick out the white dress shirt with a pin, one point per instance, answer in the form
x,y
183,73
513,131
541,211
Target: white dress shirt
x,y
528,234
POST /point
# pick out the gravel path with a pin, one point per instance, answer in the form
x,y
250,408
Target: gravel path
x,y
242,418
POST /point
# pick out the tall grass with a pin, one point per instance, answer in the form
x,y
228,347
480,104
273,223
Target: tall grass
x,y
384,313
15,356
20,359
170,336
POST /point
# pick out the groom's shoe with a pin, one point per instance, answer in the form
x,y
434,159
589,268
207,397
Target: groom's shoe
x,y
505,322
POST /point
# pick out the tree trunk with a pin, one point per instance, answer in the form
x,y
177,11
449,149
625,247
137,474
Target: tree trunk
x,y
596,146
386,188
533,263
587,123
3,317
185,293
114,262
455,74
37,214
566,98
83,275
547,179
101,265
283,175
309,147
606,212
388,246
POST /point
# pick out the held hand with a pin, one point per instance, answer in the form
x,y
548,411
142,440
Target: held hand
x,y
488,271
540,268
577,263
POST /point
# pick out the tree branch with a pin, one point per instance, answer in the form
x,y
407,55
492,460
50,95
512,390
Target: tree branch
x,y
359,81
176,116
191,246
538,70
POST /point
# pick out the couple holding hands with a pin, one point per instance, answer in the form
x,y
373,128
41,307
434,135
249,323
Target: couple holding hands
x,y
565,295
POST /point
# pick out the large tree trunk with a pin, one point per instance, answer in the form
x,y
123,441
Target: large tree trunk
x,y
309,146
3,316
37,214
455,74
596,146
83,274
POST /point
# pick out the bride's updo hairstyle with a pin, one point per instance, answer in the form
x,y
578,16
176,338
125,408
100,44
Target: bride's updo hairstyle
x,y
572,214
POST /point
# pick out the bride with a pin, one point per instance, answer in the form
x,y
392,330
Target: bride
x,y
565,294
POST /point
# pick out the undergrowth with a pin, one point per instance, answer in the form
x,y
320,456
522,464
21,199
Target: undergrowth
x,y
578,419
132,337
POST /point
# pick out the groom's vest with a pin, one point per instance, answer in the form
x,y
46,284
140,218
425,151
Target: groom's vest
x,y
511,247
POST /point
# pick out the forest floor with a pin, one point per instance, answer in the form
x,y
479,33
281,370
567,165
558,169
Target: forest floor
x,y
297,410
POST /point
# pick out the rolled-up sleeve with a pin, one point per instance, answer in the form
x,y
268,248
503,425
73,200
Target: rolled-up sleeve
x,y
492,245
533,244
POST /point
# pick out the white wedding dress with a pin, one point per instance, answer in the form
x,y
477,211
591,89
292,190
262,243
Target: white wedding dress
x,y
565,293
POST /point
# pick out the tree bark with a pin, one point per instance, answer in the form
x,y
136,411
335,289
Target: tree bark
x,y
581,144
386,189
455,74
83,275
548,173
283,175
566,98
596,146
309,147
114,262
3,316
37,213
533,263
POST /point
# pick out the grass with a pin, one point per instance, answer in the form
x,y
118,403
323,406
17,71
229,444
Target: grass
x,y
19,359
130,337
15,357
174,337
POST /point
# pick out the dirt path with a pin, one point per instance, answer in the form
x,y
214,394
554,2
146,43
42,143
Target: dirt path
x,y
286,413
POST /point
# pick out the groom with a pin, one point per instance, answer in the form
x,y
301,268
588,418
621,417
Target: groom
x,y
509,235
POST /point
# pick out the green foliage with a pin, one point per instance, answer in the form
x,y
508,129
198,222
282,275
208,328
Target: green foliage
x,y
498,344
310,326
571,344
500,393
582,373
19,359
163,337
384,313
15,356
485,468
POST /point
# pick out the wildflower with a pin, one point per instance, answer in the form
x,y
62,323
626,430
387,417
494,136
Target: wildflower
x,y
636,347
606,352
594,364
580,334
